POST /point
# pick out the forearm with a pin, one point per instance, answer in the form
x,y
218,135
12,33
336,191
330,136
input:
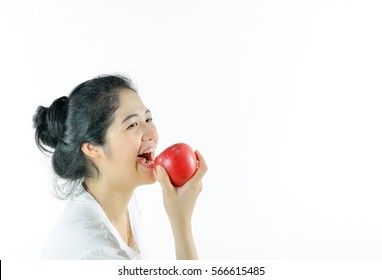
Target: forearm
x,y
184,242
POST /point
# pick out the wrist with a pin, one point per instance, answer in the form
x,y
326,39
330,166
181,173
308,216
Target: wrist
x,y
181,225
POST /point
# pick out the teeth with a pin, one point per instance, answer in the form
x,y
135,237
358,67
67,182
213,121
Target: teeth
x,y
152,150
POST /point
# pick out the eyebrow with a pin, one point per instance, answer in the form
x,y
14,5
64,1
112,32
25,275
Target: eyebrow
x,y
134,115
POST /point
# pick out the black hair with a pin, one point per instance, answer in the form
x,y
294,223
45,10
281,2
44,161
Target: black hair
x,y
82,117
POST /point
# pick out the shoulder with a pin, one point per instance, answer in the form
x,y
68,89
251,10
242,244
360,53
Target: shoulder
x,y
81,229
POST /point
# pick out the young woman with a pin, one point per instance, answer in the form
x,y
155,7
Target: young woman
x,y
103,140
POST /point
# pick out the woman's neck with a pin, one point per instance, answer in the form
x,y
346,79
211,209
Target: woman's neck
x,y
112,198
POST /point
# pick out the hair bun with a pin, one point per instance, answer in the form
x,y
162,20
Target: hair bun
x,y
50,123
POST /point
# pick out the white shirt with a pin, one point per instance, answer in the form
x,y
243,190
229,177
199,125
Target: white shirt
x,y
84,232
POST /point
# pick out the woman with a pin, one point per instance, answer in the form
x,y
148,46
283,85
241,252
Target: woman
x,y
103,142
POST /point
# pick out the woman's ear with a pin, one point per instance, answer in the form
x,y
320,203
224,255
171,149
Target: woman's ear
x,y
90,150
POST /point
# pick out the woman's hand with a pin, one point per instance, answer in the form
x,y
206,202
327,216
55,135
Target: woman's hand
x,y
179,203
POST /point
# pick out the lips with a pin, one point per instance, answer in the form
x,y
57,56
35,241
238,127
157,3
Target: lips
x,y
146,157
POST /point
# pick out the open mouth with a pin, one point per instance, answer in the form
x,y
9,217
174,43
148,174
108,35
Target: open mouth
x,y
148,156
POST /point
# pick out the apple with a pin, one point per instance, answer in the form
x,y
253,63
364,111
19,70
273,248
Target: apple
x,y
179,160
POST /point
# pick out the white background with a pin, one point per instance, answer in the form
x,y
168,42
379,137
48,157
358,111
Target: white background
x,y
283,98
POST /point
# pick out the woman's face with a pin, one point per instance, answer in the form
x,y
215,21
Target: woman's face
x,y
130,143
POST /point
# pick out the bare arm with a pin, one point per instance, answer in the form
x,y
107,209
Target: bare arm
x,y
179,204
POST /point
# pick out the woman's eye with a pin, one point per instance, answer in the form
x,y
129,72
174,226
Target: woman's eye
x,y
149,120
132,125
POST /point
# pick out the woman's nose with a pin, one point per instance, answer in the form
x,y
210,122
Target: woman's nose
x,y
150,133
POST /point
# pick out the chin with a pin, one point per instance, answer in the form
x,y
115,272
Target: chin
x,y
149,179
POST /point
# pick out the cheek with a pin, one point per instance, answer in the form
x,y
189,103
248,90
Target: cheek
x,y
125,151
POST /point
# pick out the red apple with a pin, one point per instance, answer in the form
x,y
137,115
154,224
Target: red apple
x,y
179,160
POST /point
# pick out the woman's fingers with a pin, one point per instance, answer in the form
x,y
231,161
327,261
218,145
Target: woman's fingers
x,y
202,169
163,177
